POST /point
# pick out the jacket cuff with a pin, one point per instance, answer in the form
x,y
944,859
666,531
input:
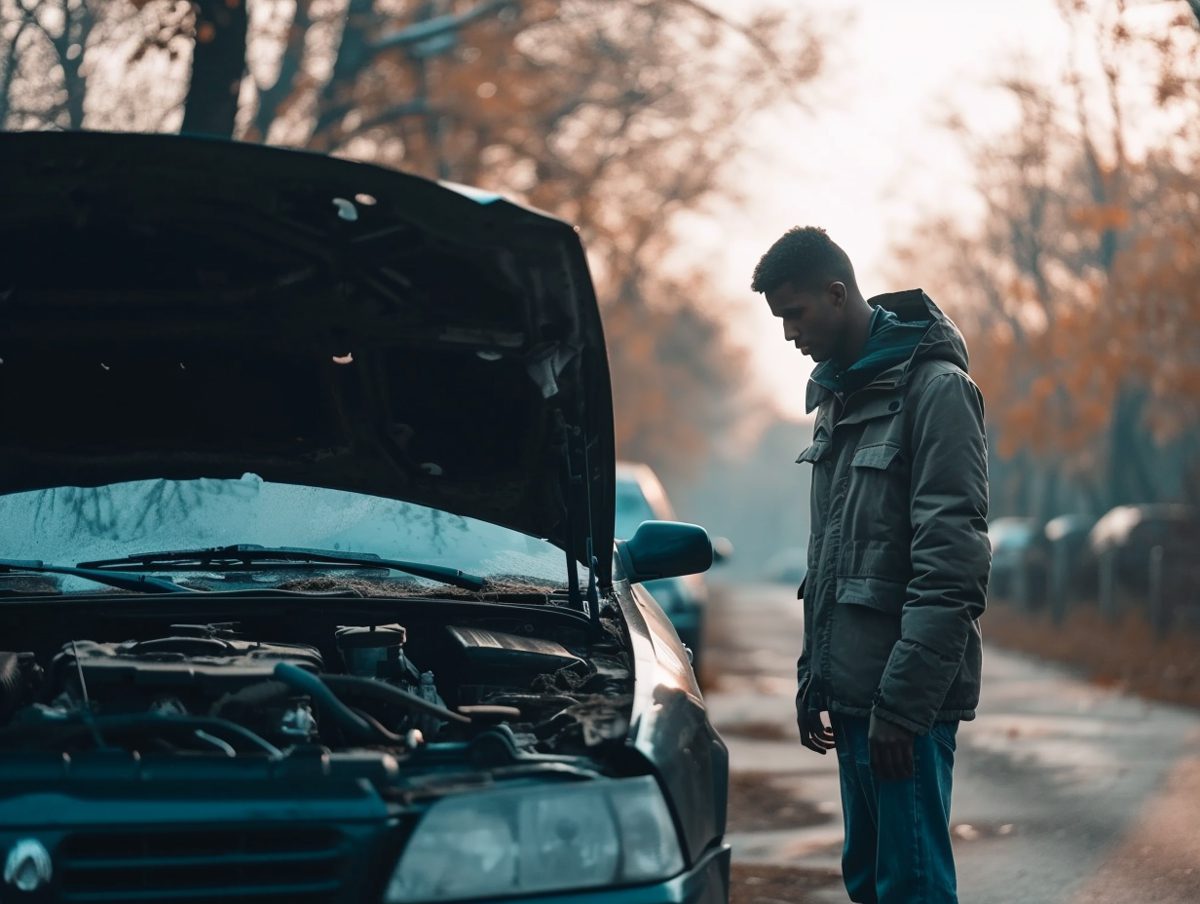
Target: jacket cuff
x,y
897,719
914,685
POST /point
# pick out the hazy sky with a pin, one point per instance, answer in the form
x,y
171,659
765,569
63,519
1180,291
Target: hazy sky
x,y
870,159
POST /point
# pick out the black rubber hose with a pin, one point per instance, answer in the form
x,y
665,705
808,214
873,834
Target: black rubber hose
x,y
140,721
381,690
306,682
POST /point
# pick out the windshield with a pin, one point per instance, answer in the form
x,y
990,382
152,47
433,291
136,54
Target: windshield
x,y
67,525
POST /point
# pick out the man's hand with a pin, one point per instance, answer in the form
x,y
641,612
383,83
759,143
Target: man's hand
x,y
891,749
814,733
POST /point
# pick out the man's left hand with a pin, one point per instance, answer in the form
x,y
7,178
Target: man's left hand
x,y
891,749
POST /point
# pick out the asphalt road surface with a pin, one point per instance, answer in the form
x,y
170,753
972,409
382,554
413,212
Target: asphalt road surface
x,y
1064,791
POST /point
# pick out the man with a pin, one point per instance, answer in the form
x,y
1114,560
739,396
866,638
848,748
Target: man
x,y
898,560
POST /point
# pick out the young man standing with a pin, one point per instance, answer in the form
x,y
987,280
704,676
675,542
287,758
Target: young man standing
x,y
898,560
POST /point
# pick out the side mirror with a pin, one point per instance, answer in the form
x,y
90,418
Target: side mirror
x,y
722,550
665,549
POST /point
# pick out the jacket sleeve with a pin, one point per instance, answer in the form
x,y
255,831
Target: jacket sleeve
x,y
803,664
951,556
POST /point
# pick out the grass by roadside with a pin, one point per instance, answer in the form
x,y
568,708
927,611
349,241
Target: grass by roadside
x,y
1123,655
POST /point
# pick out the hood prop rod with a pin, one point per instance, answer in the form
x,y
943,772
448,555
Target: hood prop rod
x,y
575,454
572,565
593,594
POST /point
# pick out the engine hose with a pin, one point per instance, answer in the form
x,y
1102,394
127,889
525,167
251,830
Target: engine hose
x,y
378,726
381,690
132,722
306,682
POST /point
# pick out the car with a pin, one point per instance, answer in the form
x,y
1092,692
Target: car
x,y
310,589
641,497
1011,539
1125,536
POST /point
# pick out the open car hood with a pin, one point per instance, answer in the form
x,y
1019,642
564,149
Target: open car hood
x,y
181,307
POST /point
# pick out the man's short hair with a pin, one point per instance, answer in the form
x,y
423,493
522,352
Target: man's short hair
x,y
806,257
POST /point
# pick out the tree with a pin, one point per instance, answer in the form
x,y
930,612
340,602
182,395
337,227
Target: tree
x,y
218,66
1078,287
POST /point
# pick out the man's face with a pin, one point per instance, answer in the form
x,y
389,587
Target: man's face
x,y
813,320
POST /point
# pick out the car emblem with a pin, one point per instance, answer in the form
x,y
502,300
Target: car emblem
x,y
28,867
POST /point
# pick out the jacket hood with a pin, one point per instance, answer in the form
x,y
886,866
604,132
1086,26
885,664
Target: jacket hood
x,y
942,340
182,307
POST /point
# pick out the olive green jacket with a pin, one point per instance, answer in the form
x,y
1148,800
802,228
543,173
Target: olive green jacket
x,y
898,558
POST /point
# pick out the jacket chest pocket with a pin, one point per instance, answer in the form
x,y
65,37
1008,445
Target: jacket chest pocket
x,y
877,496
818,451
878,593
876,456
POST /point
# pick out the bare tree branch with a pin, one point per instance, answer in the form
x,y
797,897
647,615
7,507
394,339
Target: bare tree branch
x,y
272,98
353,55
779,68
437,26
391,115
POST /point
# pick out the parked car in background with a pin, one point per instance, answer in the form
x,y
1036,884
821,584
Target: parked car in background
x,y
1126,535
1060,564
308,583
1011,539
641,497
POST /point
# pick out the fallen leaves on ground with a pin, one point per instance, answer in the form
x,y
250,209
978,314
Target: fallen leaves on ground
x,y
764,801
760,883
1122,655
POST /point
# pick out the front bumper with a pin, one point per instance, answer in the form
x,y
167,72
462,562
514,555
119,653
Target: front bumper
x,y
321,842
705,883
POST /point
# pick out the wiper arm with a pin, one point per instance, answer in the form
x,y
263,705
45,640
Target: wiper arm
x,y
221,558
139,583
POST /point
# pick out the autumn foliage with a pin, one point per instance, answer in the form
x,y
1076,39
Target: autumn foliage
x,y
1079,288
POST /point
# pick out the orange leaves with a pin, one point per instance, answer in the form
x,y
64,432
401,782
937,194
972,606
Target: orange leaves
x,y
1041,389
1083,278
1099,217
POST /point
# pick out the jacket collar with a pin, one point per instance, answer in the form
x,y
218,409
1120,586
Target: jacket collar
x,y
911,304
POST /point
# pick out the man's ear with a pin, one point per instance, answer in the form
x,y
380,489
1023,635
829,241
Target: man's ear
x,y
837,293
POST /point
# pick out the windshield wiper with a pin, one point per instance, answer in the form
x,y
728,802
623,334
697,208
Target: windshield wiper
x,y
139,583
221,558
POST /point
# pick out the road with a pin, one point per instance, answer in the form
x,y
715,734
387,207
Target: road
x,y
1064,791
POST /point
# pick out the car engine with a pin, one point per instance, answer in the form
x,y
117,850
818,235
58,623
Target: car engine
x,y
208,688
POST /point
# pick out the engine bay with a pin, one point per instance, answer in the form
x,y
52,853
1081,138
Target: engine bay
x,y
264,686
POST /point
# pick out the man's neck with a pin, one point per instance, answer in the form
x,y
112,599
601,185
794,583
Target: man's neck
x,y
858,330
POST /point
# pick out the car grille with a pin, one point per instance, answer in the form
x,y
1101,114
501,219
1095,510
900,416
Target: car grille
x,y
302,864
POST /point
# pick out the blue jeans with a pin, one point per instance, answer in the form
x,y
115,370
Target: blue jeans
x,y
897,848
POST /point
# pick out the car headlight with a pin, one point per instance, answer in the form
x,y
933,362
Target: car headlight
x,y
538,838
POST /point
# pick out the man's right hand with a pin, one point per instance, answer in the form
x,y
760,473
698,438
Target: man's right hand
x,y
814,733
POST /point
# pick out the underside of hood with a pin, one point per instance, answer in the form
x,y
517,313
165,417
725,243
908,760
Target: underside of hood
x,y
176,307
